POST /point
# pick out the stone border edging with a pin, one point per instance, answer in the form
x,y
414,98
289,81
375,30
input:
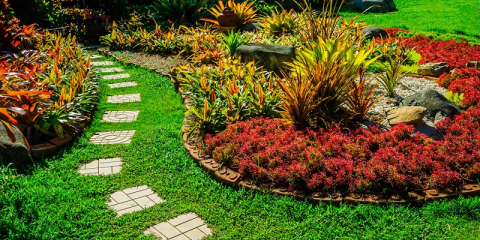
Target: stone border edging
x,y
227,176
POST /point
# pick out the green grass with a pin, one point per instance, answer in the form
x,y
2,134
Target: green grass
x,y
52,201
444,19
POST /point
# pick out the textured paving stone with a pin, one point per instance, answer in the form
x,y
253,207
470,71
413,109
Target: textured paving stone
x,y
95,56
133,199
135,97
187,226
117,137
102,167
122,84
102,63
116,76
110,70
120,116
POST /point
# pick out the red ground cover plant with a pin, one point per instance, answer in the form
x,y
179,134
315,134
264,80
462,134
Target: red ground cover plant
x,y
454,53
360,160
463,80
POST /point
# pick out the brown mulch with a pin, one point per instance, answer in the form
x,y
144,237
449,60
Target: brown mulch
x,y
151,61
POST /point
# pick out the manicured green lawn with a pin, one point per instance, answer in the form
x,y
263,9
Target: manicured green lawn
x,y
52,201
446,18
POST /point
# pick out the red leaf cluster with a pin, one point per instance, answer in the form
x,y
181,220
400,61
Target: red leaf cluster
x,y
463,80
357,160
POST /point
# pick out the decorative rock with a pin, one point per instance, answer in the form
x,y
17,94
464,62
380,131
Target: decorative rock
x,y
408,115
434,102
433,69
473,64
272,57
374,32
251,27
375,6
13,152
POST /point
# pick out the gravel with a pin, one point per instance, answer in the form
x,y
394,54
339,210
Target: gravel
x,y
406,87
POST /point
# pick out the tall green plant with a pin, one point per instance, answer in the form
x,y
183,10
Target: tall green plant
x,y
394,71
232,41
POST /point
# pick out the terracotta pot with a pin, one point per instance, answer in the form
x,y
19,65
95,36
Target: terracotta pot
x,y
228,17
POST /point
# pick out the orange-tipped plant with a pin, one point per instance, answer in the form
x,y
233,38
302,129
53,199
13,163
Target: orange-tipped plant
x,y
361,100
298,97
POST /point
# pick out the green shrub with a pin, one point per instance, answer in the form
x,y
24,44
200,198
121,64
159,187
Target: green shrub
x,y
455,98
182,12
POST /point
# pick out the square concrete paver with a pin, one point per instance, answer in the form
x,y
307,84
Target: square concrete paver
x,y
187,226
120,116
117,137
102,167
102,63
122,84
133,199
95,56
110,70
135,97
116,76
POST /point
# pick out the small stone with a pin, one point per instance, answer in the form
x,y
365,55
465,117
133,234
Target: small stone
x,y
433,101
375,6
374,32
473,64
433,69
407,115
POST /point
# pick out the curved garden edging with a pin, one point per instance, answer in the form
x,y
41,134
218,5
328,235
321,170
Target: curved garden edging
x,y
228,176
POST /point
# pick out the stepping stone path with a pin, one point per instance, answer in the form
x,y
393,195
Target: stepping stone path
x,y
122,84
133,199
117,137
124,98
116,76
187,226
110,70
120,116
102,167
102,63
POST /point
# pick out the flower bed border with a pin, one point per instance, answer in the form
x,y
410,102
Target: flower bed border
x,y
228,176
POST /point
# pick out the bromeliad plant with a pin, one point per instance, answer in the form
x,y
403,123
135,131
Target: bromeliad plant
x,y
232,41
182,12
393,67
245,12
229,92
361,98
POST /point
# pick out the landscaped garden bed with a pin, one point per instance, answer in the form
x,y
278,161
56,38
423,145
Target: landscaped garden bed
x,y
319,152
48,89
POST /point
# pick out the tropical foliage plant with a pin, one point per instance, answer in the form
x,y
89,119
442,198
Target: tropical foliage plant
x,y
245,12
182,12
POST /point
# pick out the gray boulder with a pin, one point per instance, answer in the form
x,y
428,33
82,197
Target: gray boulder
x,y
251,27
272,57
13,152
433,69
437,105
376,6
374,32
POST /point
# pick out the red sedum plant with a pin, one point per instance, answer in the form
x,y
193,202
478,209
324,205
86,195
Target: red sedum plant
x,y
360,160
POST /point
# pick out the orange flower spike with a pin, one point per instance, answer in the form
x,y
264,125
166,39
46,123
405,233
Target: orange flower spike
x,y
212,96
203,83
260,94
230,106
205,108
